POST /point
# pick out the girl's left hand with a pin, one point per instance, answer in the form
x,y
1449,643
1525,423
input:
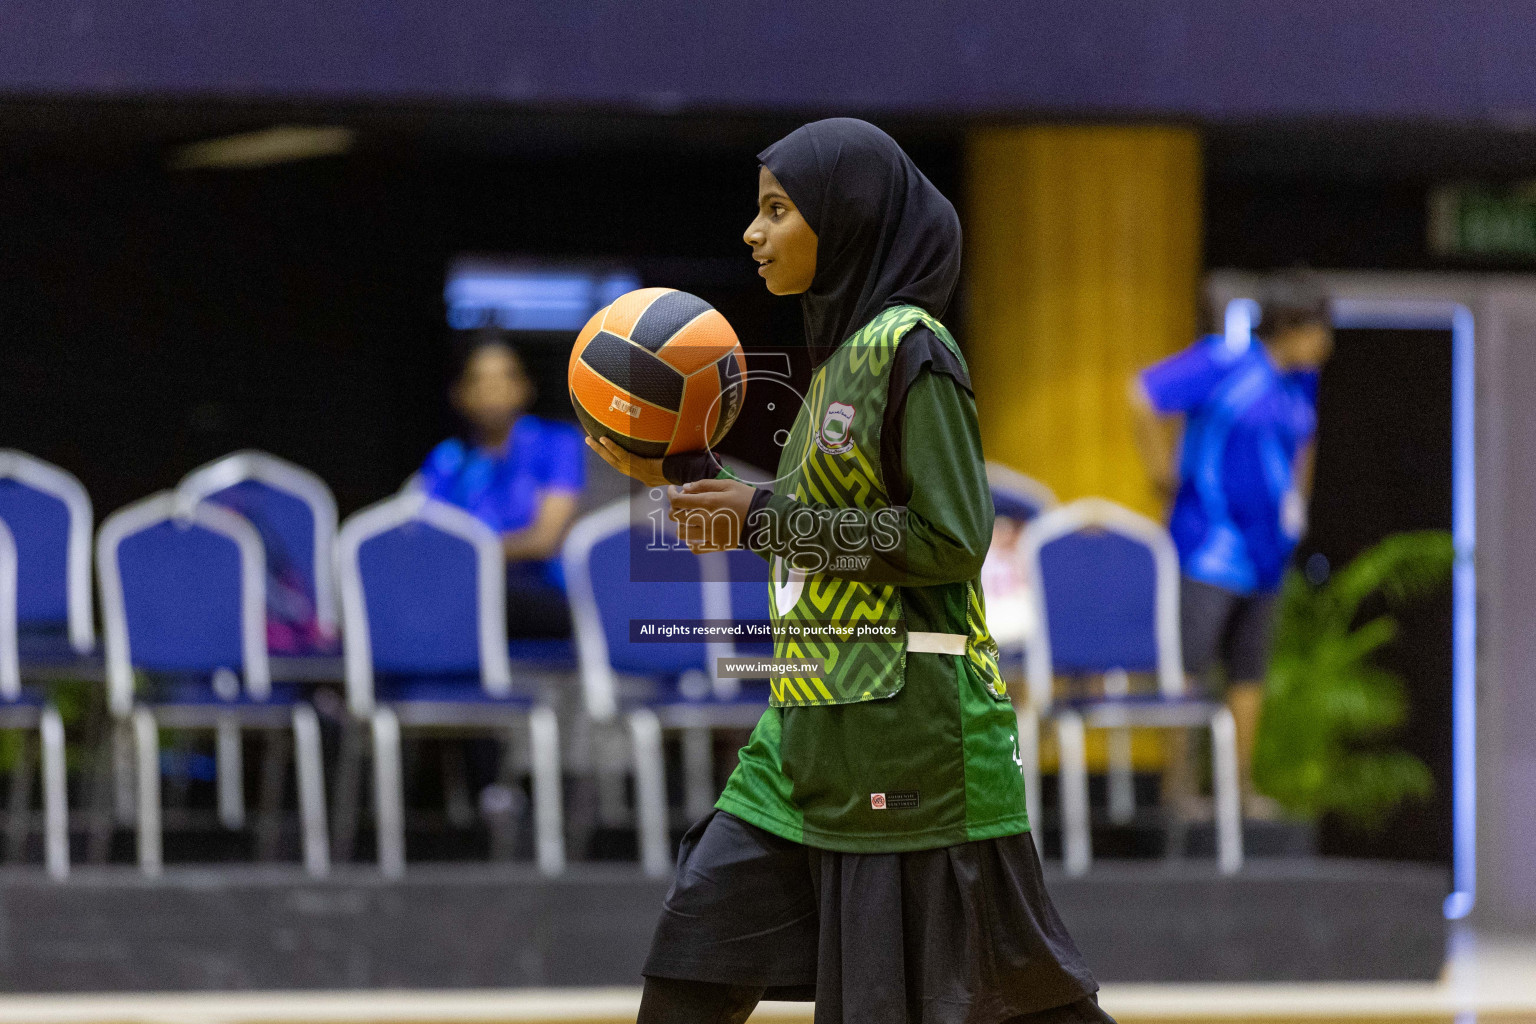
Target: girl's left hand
x,y
709,513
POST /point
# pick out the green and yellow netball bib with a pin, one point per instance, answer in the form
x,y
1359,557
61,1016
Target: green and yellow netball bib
x,y
832,460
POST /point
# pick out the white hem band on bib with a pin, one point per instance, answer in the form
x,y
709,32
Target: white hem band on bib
x,y
936,643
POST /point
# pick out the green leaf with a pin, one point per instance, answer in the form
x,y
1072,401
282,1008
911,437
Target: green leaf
x,y
1328,707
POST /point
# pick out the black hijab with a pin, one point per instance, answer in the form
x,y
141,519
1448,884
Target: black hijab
x,y
884,235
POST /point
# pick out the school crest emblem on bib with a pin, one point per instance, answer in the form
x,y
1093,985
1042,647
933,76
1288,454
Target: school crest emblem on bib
x,y
836,434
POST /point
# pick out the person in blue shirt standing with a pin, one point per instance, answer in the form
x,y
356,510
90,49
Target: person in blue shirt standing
x,y
518,473
1239,482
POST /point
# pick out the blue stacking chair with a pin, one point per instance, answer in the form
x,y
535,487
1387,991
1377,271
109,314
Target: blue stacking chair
x,y
295,513
1016,496
49,516
624,562
183,591
741,597
20,709
1105,582
1021,499
423,598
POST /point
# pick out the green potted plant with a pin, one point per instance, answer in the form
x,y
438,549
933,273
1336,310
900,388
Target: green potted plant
x,y
1323,745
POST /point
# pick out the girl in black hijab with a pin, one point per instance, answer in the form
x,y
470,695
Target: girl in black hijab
x,y
871,849
885,236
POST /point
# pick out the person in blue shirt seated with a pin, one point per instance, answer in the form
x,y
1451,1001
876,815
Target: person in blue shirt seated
x,y
518,473
1239,482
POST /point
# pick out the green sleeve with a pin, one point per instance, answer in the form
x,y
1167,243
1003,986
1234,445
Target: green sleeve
x,y
942,533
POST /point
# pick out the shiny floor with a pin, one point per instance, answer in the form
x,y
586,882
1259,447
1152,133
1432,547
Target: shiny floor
x,y
1487,980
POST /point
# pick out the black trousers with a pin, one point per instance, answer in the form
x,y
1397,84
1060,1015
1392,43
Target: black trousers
x,y
668,1001
961,934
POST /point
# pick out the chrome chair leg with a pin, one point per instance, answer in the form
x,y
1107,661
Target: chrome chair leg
x,y
548,812
230,768
310,768
123,770
147,750
1122,780
389,796
1076,842
1229,812
55,795
650,792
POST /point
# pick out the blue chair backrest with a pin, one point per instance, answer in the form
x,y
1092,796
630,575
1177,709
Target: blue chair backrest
x,y
181,598
420,587
1016,496
40,524
1016,505
286,524
749,596
1100,593
631,582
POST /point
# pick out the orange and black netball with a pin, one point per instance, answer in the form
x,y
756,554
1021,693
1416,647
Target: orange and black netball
x,y
660,371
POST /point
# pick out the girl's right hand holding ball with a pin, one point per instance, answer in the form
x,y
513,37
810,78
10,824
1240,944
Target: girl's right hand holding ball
x,y
647,471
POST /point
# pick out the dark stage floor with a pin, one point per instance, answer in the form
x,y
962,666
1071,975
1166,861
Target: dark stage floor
x,y
483,926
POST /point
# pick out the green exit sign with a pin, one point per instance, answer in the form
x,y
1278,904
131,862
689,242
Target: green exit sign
x,y
1482,220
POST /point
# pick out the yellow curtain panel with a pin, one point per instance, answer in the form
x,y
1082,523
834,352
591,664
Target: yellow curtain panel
x,y
1082,266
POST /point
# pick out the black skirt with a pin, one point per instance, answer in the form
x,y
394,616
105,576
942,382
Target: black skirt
x,y
958,935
